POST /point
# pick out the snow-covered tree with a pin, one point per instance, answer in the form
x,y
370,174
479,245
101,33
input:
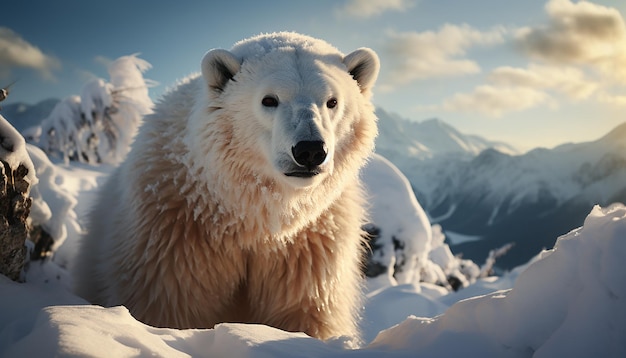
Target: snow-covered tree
x,y
98,126
63,130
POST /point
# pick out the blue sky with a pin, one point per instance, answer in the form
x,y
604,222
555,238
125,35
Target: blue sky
x,y
531,73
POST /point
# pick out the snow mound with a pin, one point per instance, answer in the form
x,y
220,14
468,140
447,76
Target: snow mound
x,y
13,150
569,303
403,246
47,194
404,232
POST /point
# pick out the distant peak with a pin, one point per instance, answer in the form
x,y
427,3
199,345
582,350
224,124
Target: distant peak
x,y
439,124
618,134
435,120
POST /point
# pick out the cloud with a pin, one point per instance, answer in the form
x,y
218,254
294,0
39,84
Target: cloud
x,y
103,61
579,33
369,8
616,100
580,53
568,80
412,55
494,101
512,89
16,52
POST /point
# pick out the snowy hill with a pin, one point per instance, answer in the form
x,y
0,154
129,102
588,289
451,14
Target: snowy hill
x,y
23,116
487,199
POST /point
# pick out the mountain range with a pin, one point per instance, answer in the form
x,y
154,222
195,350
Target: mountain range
x,y
483,193
24,115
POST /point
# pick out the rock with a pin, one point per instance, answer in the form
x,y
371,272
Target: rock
x,y
17,174
14,209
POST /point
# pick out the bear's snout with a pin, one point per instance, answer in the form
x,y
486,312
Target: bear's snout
x,y
310,153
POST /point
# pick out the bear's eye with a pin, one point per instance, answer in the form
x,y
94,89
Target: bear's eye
x,y
332,103
269,101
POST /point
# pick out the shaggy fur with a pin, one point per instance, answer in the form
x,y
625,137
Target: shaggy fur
x,y
200,225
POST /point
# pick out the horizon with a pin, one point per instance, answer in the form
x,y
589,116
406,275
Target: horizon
x,y
537,74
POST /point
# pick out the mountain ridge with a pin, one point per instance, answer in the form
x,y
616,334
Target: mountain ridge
x,y
486,193
23,115
429,138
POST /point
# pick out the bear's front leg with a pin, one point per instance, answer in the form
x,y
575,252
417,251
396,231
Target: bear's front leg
x,y
314,286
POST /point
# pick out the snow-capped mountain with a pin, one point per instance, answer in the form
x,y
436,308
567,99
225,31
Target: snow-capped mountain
x,y
23,116
400,138
489,196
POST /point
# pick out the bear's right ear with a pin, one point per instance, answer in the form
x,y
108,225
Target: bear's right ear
x,y
218,67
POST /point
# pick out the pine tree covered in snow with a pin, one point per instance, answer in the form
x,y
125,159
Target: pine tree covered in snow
x,y
98,126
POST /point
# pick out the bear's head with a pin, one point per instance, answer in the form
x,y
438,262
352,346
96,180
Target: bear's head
x,y
291,108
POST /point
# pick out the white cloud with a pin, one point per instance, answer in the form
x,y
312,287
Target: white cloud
x,y
494,101
370,8
580,52
579,33
412,55
103,61
613,99
512,89
16,52
564,79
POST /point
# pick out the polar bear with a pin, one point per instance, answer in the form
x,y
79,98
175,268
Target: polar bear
x,y
240,200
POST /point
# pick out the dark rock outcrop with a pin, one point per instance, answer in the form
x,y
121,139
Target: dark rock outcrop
x,y
14,209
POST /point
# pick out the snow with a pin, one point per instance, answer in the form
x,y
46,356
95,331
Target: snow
x,y
404,247
389,193
455,238
593,171
13,150
47,194
566,304
568,301
400,137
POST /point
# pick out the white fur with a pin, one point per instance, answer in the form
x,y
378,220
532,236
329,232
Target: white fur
x,y
200,224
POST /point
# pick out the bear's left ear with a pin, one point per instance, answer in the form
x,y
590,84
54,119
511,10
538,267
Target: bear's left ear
x,y
363,65
218,67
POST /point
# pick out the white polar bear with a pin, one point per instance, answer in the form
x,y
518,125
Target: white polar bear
x,y
240,200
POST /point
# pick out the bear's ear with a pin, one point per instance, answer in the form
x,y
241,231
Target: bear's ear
x,y
363,65
219,67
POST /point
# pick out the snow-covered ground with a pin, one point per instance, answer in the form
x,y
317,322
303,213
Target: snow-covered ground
x,y
568,302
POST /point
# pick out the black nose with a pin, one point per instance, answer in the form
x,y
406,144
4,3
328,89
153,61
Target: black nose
x,y
309,153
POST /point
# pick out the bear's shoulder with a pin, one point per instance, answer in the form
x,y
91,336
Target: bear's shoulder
x,y
181,96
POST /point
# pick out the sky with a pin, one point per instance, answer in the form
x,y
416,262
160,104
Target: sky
x,y
530,73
